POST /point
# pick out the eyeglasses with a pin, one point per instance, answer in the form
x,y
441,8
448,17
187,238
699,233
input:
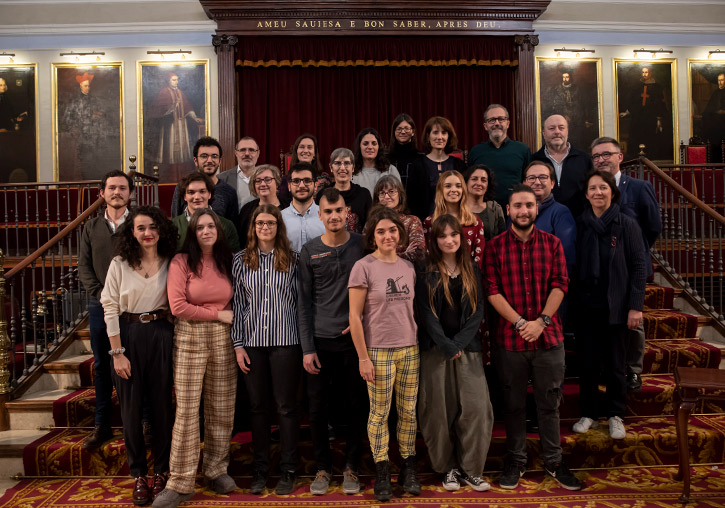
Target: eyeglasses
x,y
541,178
299,181
499,119
390,193
339,164
266,180
605,156
269,224
246,150
401,130
205,156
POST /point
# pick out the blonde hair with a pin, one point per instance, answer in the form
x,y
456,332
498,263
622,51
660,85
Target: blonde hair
x,y
465,216
259,169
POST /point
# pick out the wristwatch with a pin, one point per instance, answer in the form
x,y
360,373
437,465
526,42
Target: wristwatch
x,y
546,319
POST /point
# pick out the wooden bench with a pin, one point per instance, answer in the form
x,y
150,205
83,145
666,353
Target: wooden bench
x,y
693,385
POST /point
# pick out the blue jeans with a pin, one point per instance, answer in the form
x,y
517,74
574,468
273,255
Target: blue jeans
x,y
101,345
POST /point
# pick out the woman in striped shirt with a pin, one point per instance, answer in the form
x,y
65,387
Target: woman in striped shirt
x,y
266,341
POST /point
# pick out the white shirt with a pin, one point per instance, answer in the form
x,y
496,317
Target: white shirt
x,y
368,177
558,166
302,227
618,177
121,219
242,187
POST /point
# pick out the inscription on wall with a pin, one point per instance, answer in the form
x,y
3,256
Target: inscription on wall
x,y
363,25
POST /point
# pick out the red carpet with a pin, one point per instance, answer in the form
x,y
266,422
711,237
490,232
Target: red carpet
x,y
669,324
658,297
630,487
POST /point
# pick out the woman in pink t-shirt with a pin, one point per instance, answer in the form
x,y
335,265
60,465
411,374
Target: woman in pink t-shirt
x,y
384,332
200,293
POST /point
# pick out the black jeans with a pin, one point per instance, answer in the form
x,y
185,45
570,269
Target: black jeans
x,y
339,368
149,349
545,367
274,371
102,367
600,343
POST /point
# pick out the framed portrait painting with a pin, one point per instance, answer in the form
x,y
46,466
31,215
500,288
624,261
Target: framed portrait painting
x,y
707,104
571,88
645,93
87,120
173,114
18,123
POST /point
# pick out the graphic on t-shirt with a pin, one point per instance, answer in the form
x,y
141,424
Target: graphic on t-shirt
x,y
393,288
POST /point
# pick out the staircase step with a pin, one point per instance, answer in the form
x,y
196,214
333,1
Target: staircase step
x,y
664,324
662,356
35,409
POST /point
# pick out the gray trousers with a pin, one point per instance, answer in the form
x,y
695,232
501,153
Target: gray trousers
x,y
454,411
635,350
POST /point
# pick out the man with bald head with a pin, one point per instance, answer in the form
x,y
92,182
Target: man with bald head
x,y
570,165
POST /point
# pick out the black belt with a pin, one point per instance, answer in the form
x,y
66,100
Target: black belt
x,y
145,317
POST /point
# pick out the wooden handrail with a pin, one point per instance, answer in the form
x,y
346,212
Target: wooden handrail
x,y
74,183
62,234
714,165
144,176
681,190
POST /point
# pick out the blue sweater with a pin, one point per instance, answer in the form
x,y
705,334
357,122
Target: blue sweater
x,y
556,219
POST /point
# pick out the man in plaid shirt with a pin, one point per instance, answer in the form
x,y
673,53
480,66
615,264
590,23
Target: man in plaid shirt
x,y
526,279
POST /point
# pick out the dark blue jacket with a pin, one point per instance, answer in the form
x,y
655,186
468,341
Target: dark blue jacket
x,y
556,219
569,190
637,199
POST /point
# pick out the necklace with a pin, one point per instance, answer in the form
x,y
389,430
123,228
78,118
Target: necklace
x,y
145,271
450,271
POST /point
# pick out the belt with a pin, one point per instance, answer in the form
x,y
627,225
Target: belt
x,y
145,317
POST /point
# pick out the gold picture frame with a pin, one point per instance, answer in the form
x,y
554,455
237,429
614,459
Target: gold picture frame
x,y
646,112
705,98
171,95
19,128
88,120
571,87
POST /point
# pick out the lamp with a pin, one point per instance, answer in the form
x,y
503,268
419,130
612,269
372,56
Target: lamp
x,y
9,56
87,56
653,53
182,53
716,54
575,52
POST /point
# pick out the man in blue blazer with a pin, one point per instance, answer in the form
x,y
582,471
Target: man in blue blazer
x,y
638,200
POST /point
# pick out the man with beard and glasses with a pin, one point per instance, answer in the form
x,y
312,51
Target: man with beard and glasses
x,y
301,217
247,154
506,157
571,165
207,158
526,279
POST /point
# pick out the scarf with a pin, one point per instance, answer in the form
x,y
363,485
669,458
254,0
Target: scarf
x,y
593,229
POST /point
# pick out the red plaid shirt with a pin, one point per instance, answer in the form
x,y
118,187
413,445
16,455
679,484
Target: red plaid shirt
x,y
524,274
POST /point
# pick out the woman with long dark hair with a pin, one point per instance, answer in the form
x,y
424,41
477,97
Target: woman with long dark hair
x,y
136,311
403,146
481,186
609,284
454,409
383,329
200,296
304,149
389,193
266,341
370,161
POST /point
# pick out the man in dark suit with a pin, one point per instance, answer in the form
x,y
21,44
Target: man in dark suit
x,y
247,154
638,200
571,165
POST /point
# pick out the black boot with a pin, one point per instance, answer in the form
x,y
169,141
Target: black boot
x,y
383,491
100,435
408,476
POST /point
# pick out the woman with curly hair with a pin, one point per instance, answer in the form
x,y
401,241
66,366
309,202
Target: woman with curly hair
x,y
389,192
370,161
136,311
452,198
266,341
481,186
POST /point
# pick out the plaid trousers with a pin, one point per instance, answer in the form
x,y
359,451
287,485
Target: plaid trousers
x,y
395,368
203,359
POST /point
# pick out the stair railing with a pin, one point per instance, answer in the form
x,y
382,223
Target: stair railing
x,y
42,299
690,247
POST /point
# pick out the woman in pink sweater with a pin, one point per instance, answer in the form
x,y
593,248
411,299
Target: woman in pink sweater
x,y
200,293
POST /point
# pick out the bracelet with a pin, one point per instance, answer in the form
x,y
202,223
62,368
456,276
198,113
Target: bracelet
x,y
519,323
119,351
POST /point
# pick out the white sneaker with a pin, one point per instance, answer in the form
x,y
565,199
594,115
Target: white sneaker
x,y
616,428
450,480
584,424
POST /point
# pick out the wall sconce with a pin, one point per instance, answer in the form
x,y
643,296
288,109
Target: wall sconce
x,y
715,54
162,53
84,56
653,53
572,53
9,56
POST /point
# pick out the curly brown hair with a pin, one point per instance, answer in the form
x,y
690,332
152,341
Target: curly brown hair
x,y
128,248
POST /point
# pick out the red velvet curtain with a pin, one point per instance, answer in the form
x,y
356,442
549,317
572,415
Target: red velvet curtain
x,y
335,87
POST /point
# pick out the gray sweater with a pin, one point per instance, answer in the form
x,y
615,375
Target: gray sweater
x,y
322,297
95,254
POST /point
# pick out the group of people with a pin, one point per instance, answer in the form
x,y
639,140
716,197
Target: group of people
x,y
374,277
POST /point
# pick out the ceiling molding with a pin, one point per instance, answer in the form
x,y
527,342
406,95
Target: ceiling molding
x,y
107,28
631,3
633,26
61,2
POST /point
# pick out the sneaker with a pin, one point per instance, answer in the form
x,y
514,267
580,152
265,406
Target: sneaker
x,y
321,483
563,476
168,498
510,476
450,480
634,382
259,483
584,424
476,482
286,483
350,481
223,484
616,428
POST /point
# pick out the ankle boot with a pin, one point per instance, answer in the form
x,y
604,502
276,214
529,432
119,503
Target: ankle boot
x,y
408,476
383,491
